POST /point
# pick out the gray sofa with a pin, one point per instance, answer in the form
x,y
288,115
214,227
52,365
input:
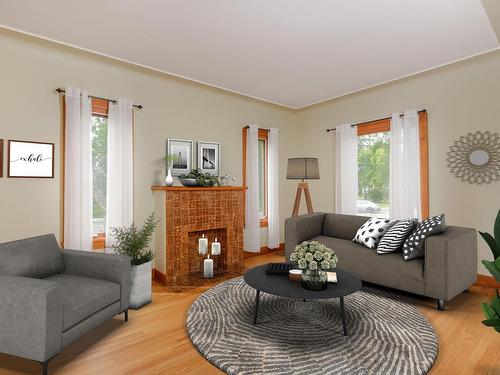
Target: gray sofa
x,y
49,298
448,268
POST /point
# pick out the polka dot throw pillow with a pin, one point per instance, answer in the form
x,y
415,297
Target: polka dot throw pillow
x,y
414,245
371,232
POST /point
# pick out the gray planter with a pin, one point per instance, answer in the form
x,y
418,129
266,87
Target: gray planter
x,y
140,291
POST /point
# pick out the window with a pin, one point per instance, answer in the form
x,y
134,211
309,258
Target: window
x,y
99,136
374,163
263,168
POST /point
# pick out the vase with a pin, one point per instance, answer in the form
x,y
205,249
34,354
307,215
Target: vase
x,y
169,180
140,288
314,280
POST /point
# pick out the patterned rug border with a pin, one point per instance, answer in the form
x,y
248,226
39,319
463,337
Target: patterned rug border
x,y
370,288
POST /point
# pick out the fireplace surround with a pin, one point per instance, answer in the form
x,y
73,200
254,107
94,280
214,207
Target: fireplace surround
x,y
186,213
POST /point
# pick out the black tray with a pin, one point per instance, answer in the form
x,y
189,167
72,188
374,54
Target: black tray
x,y
278,268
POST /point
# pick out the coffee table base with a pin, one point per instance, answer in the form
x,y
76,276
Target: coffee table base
x,y
342,310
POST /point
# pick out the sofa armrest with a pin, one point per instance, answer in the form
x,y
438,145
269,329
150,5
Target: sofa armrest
x,y
302,228
31,317
111,267
450,262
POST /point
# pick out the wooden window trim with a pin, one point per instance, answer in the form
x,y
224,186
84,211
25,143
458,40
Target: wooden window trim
x,y
384,125
262,134
100,107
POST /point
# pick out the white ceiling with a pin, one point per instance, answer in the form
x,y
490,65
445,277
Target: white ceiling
x,y
291,52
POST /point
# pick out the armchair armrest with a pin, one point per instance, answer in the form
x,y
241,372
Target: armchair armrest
x,y
302,228
111,267
31,317
450,262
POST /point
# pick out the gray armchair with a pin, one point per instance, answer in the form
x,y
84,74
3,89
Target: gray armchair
x,y
49,298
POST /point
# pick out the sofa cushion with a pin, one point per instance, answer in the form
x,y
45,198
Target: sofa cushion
x,y
84,296
35,257
395,237
342,226
414,245
388,270
371,232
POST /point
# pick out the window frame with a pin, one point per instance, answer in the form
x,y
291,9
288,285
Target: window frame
x,y
384,125
100,108
263,134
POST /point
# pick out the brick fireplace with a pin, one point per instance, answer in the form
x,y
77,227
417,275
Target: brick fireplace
x,y
188,213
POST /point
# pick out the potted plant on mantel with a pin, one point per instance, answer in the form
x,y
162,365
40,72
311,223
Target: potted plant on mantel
x,y
133,242
492,310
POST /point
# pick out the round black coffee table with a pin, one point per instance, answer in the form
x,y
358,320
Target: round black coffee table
x,y
280,285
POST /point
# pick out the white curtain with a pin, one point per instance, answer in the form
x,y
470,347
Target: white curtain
x,y
346,169
273,216
404,186
252,224
77,171
119,181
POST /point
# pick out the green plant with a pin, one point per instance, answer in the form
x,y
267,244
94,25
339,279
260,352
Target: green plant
x,y
203,179
169,159
133,241
492,310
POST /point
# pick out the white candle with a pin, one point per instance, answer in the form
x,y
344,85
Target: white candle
x,y
203,245
208,268
215,247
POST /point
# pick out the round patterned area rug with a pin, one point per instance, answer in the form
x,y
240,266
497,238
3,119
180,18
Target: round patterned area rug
x,y
386,334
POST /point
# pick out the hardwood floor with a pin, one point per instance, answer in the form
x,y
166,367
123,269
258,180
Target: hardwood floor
x,y
154,340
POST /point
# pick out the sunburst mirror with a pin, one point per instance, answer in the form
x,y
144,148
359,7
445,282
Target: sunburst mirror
x,y
475,158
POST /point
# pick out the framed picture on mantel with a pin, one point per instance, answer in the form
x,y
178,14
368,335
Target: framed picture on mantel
x,y
209,157
181,153
30,159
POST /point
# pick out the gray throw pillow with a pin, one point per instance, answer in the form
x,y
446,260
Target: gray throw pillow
x,y
396,235
414,246
371,232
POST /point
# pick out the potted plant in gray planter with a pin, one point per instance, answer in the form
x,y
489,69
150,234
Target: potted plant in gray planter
x,y
133,242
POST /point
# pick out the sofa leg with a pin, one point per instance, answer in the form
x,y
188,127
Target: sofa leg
x,y
45,367
440,304
466,291
126,315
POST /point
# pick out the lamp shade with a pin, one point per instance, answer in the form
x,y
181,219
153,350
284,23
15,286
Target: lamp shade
x,y
302,169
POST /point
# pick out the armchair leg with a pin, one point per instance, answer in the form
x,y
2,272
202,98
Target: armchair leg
x,y
126,315
45,367
440,304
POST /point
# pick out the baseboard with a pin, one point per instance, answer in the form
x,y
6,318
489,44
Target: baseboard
x,y
264,250
159,277
486,281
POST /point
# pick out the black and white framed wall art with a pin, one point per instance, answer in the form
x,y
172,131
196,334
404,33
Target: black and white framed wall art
x,y
209,157
30,159
180,154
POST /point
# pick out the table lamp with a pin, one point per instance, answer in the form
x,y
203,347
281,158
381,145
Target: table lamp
x,y
302,169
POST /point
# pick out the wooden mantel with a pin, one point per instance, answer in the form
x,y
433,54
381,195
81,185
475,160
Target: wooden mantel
x,y
183,188
187,213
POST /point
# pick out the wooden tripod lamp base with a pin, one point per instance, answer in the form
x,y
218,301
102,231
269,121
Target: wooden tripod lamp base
x,y
302,186
302,169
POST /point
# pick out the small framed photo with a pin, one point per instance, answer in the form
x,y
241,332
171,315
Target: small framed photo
x,y
30,159
209,157
180,153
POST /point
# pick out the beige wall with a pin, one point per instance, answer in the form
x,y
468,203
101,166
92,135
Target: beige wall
x,y
460,98
30,70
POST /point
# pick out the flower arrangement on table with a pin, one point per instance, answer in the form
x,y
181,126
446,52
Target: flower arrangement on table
x,y
314,259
